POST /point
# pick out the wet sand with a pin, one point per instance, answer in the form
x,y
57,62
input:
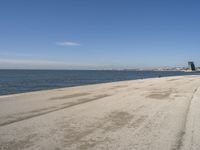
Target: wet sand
x,y
149,114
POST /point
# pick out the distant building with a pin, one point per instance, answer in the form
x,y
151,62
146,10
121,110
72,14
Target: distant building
x,y
191,65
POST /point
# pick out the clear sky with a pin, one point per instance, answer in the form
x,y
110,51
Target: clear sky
x,y
89,34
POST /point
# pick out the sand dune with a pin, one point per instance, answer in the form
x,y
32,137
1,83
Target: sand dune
x,y
149,114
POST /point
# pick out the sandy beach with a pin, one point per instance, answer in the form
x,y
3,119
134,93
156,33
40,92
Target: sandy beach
x,y
149,114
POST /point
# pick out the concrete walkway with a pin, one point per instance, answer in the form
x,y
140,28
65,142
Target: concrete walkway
x,y
149,114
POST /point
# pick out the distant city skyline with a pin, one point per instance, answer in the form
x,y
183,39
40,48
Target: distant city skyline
x,y
91,34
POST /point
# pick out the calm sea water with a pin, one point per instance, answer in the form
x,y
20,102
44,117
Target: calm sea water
x,y
17,81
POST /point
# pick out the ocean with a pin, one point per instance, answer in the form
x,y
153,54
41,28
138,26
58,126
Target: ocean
x,y
18,81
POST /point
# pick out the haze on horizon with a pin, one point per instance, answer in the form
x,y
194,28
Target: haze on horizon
x,y
77,34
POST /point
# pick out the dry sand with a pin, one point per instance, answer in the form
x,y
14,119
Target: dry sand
x,y
149,114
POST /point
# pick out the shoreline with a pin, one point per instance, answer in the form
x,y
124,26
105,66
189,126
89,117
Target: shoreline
x,y
26,81
91,84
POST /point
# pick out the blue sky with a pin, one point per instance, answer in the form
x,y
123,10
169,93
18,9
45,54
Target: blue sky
x,y
89,34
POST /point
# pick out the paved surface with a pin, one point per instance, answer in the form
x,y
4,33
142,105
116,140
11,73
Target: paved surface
x,y
149,114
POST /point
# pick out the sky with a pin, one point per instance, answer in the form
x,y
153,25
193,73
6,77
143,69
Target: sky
x,y
98,34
